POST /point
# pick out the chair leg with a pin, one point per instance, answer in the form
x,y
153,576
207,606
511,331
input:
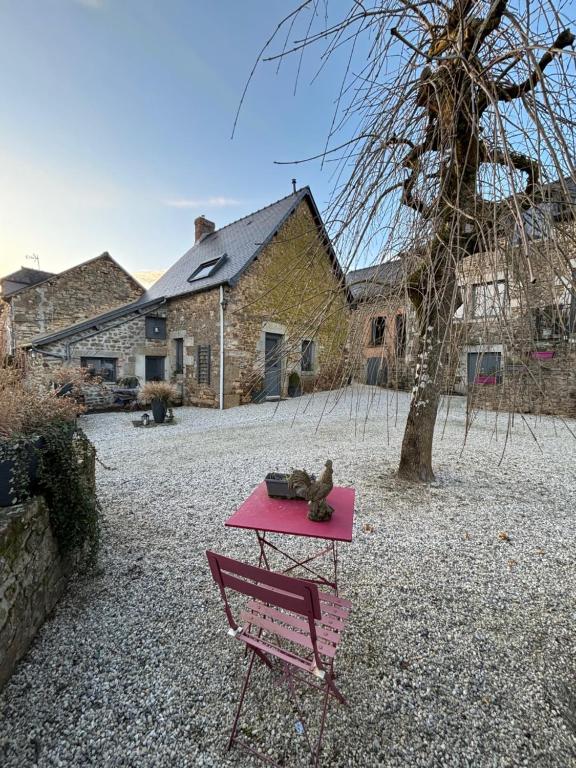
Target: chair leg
x,y
316,754
242,694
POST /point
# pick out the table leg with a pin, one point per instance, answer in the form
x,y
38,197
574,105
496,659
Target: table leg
x,y
335,560
262,544
330,548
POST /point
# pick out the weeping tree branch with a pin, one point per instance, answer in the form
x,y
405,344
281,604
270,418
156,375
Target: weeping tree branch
x,y
517,90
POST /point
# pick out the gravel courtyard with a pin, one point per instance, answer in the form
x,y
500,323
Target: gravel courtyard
x,y
461,648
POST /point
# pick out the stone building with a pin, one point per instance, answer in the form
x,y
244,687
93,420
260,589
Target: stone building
x,y
516,328
242,312
33,302
513,344
380,326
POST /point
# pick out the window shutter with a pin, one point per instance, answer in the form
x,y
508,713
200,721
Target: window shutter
x,y
203,363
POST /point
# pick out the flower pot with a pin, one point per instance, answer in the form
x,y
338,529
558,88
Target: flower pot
x,y
277,486
158,411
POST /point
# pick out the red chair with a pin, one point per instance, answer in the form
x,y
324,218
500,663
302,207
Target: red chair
x,y
288,621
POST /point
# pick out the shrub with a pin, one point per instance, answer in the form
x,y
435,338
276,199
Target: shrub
x,y
26,409
38,428
158,390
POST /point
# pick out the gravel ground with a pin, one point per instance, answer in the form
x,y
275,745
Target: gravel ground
x,y
460,650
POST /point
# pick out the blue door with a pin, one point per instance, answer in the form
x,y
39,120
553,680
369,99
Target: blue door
x,y
372,370
273,365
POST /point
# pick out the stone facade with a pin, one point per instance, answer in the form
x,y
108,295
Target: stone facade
x,y
381,335
293,290
195,318
32,579
523,325
122,340
532,385
76,294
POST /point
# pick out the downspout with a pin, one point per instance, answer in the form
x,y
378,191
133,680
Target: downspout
x,y
222,306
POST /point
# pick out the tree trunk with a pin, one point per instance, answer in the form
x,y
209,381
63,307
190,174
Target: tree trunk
x,y
416,456
435,307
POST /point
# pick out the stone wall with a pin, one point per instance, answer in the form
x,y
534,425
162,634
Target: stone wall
x,y
395,370
32,579
71,296
195,318
123,339
531,385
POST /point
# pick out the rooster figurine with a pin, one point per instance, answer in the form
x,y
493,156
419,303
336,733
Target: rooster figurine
x,y
314,491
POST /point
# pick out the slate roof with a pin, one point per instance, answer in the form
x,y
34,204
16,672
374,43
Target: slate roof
x,y
96,321
241,241
22,278
368,282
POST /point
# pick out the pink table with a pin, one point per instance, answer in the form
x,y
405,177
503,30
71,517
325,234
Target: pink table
x,y
264,515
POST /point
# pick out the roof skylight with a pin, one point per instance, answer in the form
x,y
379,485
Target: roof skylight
x,y
207,268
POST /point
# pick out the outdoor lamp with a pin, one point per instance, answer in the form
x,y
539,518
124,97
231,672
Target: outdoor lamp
x,y
145,419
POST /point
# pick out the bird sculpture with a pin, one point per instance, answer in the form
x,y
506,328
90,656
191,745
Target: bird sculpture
x,y
314,491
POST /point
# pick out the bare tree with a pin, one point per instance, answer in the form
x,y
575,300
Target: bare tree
x,y
449,119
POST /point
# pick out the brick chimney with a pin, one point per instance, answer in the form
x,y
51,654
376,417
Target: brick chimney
x,y
203,227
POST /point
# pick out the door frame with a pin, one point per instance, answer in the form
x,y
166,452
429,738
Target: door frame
x,y
279,337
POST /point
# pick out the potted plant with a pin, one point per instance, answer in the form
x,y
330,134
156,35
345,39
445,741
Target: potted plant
x,y
160,395
257,394
294,385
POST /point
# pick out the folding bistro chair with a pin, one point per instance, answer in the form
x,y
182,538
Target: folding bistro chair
x,y
288,621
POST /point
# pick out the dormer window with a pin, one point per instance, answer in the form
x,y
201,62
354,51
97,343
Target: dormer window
x,y
207,268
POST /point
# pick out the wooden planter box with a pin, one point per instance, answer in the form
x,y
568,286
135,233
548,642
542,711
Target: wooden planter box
x,y
546,354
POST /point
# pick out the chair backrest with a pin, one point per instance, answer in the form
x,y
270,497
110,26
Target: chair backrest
x,y
272,588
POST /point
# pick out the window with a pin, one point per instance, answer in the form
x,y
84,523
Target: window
x,y
552,323
484,367
307,359
104,367
400,335
378,331
203,363
155,327
178,355
489,299
207,268
155,368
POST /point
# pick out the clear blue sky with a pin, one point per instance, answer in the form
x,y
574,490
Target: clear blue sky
x,y
115,125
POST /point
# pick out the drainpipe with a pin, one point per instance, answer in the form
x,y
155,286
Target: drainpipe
x,y
222,307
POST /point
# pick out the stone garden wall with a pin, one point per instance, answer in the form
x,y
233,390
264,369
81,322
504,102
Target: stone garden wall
x,y
32,579
536,386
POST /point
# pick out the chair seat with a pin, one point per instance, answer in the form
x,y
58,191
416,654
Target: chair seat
x,y
271,621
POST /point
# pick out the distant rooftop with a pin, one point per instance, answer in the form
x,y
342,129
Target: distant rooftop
x,y
369,282
22,278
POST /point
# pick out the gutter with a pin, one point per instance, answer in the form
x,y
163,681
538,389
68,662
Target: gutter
x,y
223,303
